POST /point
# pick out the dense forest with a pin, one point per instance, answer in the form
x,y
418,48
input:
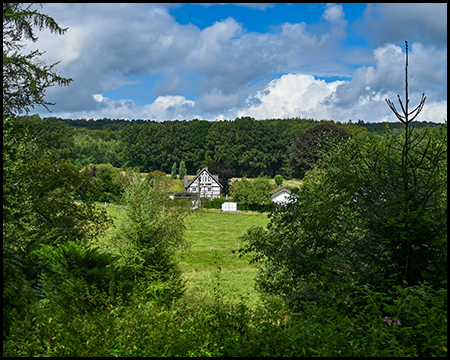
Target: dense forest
x,y
251,147
355,266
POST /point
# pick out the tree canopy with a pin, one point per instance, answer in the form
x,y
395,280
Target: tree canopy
x,y
25,78
313,143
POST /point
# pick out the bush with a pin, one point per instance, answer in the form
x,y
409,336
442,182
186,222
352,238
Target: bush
x,y
255,192
110,183
78,278
215,203
278,179
407,321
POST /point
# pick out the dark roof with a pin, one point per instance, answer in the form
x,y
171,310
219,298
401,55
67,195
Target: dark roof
x,y
184,195
215,177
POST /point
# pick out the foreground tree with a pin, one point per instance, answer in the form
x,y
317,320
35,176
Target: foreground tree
x,y
25,78
40,185
373,213
152,233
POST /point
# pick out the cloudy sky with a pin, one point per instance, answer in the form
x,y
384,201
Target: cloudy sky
x,y
222,61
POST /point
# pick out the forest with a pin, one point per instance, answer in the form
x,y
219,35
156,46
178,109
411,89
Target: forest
x,y
250,147
95,252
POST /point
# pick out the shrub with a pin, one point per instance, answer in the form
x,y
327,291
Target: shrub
x,y
278,179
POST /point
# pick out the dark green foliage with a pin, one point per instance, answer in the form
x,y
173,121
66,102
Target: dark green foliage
x,y
52,137
173,174
225,172
248,146
182,170
278,179
75,277
25,79
363,324
150,146
311,144
354,219
59,199
110,187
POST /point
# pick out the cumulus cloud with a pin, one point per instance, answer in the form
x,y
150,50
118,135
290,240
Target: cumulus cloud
x,y
293,95
426,69
333,13
397,22
225,71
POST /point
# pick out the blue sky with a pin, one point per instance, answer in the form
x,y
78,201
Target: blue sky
x,y
266,60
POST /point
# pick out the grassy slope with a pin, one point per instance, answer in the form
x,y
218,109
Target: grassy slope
x,y
213,236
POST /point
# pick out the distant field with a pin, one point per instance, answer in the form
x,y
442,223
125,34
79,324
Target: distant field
x,y
286,183
213,236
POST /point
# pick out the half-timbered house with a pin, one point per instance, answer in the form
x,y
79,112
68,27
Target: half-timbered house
x,y
204,184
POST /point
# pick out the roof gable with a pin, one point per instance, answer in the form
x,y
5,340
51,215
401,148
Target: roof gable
x,y
281,192
203,171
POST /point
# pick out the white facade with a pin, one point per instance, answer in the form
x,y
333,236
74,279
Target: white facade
x,y
283,197
205,184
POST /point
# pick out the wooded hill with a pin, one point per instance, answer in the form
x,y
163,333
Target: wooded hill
x,y
251,147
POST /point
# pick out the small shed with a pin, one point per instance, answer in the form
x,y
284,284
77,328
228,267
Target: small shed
x,y
283,197
229,206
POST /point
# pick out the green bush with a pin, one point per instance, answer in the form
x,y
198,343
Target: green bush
x,y
278,179
76,277
409,321
215,203
110,183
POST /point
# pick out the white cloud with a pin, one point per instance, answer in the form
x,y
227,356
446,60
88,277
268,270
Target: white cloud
x,y
163,108
292,95
231,72
397,22
426,69
333,13
170,108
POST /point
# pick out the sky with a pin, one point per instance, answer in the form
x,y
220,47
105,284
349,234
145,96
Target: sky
x,y
215,61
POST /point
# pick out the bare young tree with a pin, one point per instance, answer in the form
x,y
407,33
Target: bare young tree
x,y
405,117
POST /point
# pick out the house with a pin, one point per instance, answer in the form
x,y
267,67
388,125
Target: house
x,y
283,197
204,184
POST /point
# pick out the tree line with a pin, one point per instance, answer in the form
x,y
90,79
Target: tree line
x,y
250,147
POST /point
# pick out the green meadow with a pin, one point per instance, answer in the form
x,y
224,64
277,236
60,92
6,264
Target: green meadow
x,y
213,259
211,262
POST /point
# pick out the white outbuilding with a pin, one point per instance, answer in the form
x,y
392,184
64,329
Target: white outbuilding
x,y
229,206
283,197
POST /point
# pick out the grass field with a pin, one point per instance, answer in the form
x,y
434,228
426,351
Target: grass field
x,y
212,236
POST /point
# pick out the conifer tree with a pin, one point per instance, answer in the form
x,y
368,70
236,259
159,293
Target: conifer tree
x,y
173,174
182,170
